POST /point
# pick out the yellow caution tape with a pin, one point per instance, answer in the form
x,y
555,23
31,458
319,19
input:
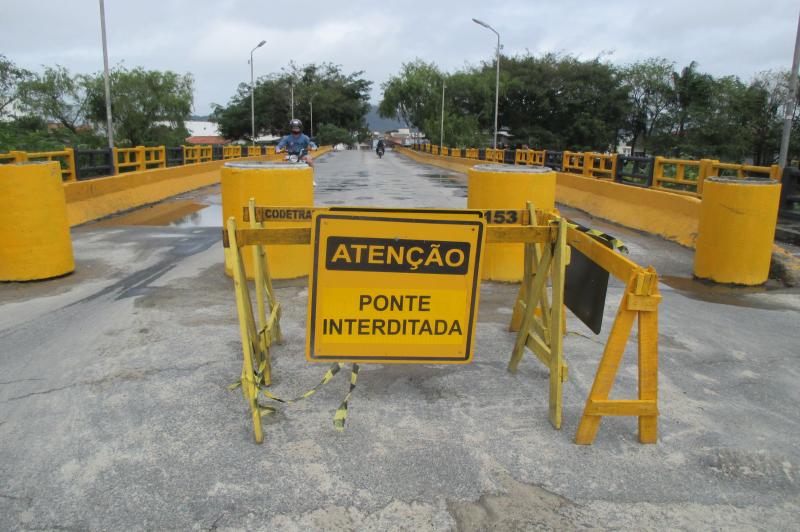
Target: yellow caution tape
x,y
341,413
614,241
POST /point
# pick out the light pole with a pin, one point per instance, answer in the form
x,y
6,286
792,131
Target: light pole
x,y
497,78
791,99
253,95
441,128
311,120
109,123
291,88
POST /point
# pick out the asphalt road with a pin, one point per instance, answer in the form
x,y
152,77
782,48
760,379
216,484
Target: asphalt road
x,y
115,412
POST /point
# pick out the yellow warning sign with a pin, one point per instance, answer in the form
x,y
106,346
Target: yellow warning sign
x,y
394,286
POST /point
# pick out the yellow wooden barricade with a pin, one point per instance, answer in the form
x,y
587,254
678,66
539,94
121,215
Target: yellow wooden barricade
x,y
539,315
256,339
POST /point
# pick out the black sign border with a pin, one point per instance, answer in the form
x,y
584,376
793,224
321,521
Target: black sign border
x,y
475,285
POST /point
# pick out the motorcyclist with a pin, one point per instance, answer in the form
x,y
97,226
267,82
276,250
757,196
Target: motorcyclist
x,y
297,143
381,147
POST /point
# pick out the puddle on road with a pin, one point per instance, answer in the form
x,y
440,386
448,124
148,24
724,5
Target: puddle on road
x,y
198,209
737,296
449,181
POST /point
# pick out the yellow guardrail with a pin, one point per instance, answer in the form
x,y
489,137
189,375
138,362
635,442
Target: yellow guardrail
x,y
253,150
529,157
191,154
681,176
231,152
600,165
65,157
139,158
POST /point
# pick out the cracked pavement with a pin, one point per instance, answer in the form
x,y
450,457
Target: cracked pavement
x,y
115,412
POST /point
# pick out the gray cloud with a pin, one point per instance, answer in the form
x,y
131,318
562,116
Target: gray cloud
x,y
212,39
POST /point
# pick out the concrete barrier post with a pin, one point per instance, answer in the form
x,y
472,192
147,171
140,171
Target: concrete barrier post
x,y
271,184
499,186
736,230
35,241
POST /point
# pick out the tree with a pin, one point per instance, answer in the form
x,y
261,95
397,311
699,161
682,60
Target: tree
x,y
330,134
550,101
148,106
650,94
57,96
339,99
11,77
410,96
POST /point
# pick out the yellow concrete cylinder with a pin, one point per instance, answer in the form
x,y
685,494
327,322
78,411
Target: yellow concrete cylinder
x,y
737,229
34,233
271,184
499,186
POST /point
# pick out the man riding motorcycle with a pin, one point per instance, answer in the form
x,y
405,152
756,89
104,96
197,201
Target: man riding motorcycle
x,y
297,143
380,149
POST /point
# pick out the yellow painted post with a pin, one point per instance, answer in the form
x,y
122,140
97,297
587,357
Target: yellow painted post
x,y
115,156
35,240
588,164
19,156
140,162
736,230
274,184
498,186
71,164
705,170
658,170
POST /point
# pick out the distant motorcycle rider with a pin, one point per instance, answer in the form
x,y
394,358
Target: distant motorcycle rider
x,y
380,148
297,143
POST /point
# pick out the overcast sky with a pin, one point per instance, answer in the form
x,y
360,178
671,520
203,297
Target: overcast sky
x,y
212,38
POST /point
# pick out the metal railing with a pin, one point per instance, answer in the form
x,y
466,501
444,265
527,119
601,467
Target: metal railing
x,y
78,164
681,176
790,193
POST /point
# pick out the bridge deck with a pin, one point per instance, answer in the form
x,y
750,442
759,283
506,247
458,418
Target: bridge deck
x,y
115,411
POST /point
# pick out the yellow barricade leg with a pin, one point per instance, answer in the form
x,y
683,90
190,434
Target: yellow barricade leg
x,y
543,334
248,382
641,299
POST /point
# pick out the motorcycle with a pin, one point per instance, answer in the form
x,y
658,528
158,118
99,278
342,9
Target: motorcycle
x,y
380,151
293,158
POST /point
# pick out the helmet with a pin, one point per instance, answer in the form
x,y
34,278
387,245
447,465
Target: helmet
x,y
295,125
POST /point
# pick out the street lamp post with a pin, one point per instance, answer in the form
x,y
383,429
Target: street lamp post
x,y
253,95
497,78
791,99
109,122
311,120
441,127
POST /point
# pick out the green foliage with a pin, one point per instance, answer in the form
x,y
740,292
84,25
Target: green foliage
x,y
330,134
338,99
31,133
56,96
11,77
149,107
561,102
552,100
60,109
